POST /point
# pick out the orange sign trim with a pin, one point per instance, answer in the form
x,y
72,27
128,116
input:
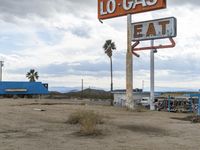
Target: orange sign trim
x,y
115,8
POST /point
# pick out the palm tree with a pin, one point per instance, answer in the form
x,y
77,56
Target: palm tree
x,y
32,75
108,47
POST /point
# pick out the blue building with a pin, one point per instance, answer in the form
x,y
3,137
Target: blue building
x,y
23,88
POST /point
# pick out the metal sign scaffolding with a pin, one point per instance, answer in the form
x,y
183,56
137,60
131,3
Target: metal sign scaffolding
x,y
115,8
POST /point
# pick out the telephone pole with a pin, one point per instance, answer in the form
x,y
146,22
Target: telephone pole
x,y
1,72
81,88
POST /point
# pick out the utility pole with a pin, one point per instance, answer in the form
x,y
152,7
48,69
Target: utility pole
x,y
81,88
1,72
129,66
111,74
142,85
111,86
152,107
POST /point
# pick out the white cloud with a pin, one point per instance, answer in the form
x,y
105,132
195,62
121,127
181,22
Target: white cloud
x,y
52,34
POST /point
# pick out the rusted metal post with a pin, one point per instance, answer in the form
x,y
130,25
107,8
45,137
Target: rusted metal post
x,y
169,103
129,66
152,107
199,107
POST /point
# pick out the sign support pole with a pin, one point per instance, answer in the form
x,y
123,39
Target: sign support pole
x,y
129,66
152,107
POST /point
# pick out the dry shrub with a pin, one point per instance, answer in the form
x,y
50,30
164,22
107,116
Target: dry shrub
x,y
75,117
140,108
88,121
195,119
89,125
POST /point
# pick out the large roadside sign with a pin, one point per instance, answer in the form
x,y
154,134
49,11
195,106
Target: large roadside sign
x,y
154,29
114,8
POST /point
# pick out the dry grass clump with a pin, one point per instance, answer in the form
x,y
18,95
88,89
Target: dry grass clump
x,y
75,117
195,119
88,121
138,108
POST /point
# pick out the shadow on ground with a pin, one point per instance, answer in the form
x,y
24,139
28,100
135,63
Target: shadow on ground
x,y
145,129
193,119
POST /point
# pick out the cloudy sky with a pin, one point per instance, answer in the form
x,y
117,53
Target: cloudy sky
x,y
62,40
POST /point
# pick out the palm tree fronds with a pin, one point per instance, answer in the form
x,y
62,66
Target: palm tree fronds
x,y
32,75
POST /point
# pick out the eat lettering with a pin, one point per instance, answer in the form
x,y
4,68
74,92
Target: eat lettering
x,y
151,30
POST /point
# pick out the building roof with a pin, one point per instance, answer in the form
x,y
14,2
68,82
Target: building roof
x,y
16,88
121,91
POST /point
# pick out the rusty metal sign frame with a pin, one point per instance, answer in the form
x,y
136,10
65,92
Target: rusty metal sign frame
x,y
170,37
171,45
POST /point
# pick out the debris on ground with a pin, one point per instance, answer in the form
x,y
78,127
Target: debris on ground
x,y
38,109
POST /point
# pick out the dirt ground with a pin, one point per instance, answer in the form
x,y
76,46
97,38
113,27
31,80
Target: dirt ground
x,y
23,127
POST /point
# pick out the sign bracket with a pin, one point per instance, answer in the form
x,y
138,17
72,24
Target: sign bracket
x,y
173,44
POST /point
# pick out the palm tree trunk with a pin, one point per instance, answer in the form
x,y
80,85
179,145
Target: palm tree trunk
x,y
111,83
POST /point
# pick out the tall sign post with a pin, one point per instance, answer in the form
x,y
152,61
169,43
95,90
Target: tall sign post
x,y
152,77
129,66
151,30
115,8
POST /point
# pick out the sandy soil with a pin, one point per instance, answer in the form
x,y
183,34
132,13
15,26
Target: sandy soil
x,y
24,128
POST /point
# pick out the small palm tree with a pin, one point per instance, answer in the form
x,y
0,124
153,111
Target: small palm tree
x,y
108,47
32,75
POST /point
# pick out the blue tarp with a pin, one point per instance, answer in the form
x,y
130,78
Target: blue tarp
x,y
17,88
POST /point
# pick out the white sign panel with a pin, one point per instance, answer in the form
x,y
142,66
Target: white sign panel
x,y
154,29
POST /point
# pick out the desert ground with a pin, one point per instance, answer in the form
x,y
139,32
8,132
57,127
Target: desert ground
x,y
24,127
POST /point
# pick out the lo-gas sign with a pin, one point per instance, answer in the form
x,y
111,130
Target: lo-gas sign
x,y
114,8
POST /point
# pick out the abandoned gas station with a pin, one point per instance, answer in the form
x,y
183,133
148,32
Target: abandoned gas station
x,y
137,32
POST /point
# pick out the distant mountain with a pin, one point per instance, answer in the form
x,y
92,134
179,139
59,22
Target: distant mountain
x,y
90,93
64,89
99,90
